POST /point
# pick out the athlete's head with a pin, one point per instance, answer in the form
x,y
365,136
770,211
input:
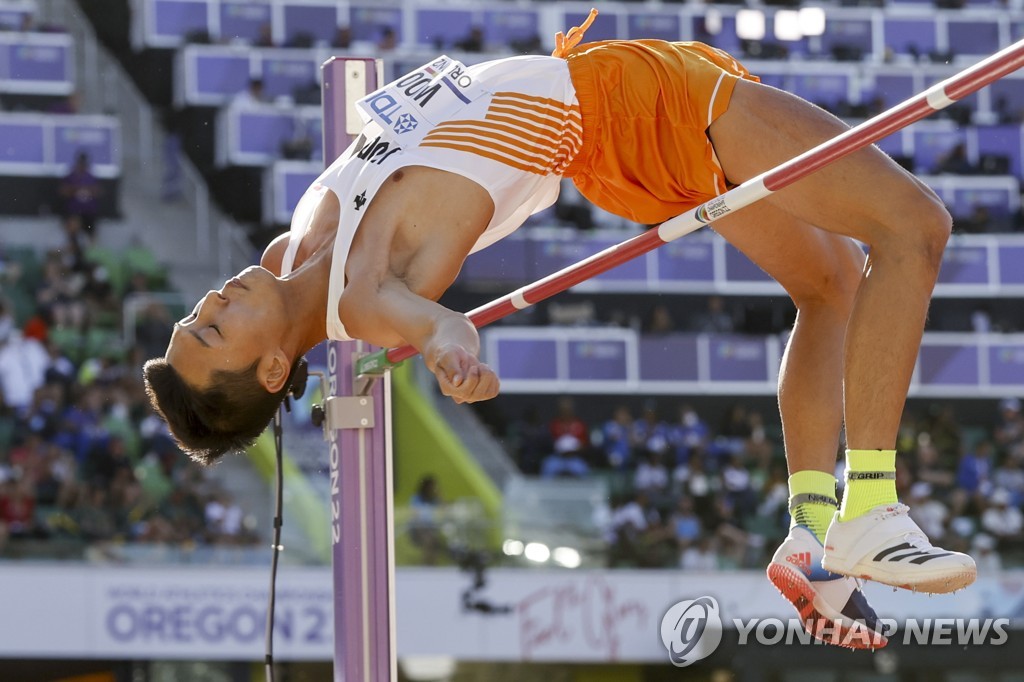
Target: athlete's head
x,y
225,371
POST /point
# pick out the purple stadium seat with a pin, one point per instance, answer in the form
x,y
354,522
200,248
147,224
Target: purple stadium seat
x,y
318,21
893,88
442,27
824,89
659,25
907,36
366,22
282,73
931,143
504,26
847,33
1002,140
970,37
242,19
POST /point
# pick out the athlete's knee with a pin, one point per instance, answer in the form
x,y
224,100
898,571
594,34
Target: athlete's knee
x,y
921,228
833,279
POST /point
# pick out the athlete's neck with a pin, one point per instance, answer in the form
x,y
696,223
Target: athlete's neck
x,y
305,290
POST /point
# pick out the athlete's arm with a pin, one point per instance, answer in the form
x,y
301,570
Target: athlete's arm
x,y
393,315
407,252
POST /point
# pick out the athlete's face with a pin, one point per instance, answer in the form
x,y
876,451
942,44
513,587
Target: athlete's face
x,y
230,328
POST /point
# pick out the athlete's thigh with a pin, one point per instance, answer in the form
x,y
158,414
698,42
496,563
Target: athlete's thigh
x,y
854,196
810,264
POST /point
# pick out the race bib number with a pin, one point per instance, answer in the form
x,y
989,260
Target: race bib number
x,y
408,108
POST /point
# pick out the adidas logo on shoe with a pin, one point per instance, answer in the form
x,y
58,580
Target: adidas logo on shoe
x,y
801,560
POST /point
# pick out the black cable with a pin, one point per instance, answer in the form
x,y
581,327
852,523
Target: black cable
x,y
278,522
296,388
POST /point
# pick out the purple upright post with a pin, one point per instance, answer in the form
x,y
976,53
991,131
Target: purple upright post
x,y
359,431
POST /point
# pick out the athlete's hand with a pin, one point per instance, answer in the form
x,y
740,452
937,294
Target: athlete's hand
x,y
462,376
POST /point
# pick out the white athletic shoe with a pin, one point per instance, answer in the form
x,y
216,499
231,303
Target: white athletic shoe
x,y
885,545
832,607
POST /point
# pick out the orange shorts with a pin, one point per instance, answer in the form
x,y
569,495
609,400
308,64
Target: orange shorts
x,y
646,107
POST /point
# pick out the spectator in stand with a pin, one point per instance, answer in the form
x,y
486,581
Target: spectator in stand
x,y
651,476
975,468
661,321
566,460
715,319
388,39
955,161
69,105
737,488
59,297
734,432
700,557
1010,476
93,514
17,508
930,514
80,191
927,467
731,539
773,502
7,323
23,363
342,38
1010,429
266,37
687,525
617,438
224,518
566,423
1003,520
473,41
690,433
531,439
983,549
650,432
252,96
628,522
698,484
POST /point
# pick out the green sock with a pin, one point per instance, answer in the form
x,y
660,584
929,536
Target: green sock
x,y
870,482
812,501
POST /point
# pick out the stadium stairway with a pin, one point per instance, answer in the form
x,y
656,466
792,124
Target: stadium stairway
x,y
165,202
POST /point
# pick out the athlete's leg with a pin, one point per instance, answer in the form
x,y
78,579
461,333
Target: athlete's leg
x,y
811,404
868,197
823,288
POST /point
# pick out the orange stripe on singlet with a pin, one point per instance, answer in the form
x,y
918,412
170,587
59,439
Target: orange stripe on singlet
x,y
508,126
486,154
516,143
540,160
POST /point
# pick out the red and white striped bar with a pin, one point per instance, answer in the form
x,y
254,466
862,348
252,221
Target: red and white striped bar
x,y
362,504
914,109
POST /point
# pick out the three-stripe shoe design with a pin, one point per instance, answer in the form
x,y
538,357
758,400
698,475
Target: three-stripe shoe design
x,y
832,608
887,546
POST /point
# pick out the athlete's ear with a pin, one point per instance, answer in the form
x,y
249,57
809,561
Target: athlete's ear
x,y
273,370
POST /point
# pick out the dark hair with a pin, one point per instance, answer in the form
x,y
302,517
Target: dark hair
x,y
229,415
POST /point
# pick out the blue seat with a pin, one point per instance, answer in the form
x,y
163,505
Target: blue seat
x,y
910,36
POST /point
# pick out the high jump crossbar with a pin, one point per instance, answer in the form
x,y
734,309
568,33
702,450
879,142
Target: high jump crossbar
x,y
935,98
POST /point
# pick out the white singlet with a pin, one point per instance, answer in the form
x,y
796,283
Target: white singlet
x,y
511,125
